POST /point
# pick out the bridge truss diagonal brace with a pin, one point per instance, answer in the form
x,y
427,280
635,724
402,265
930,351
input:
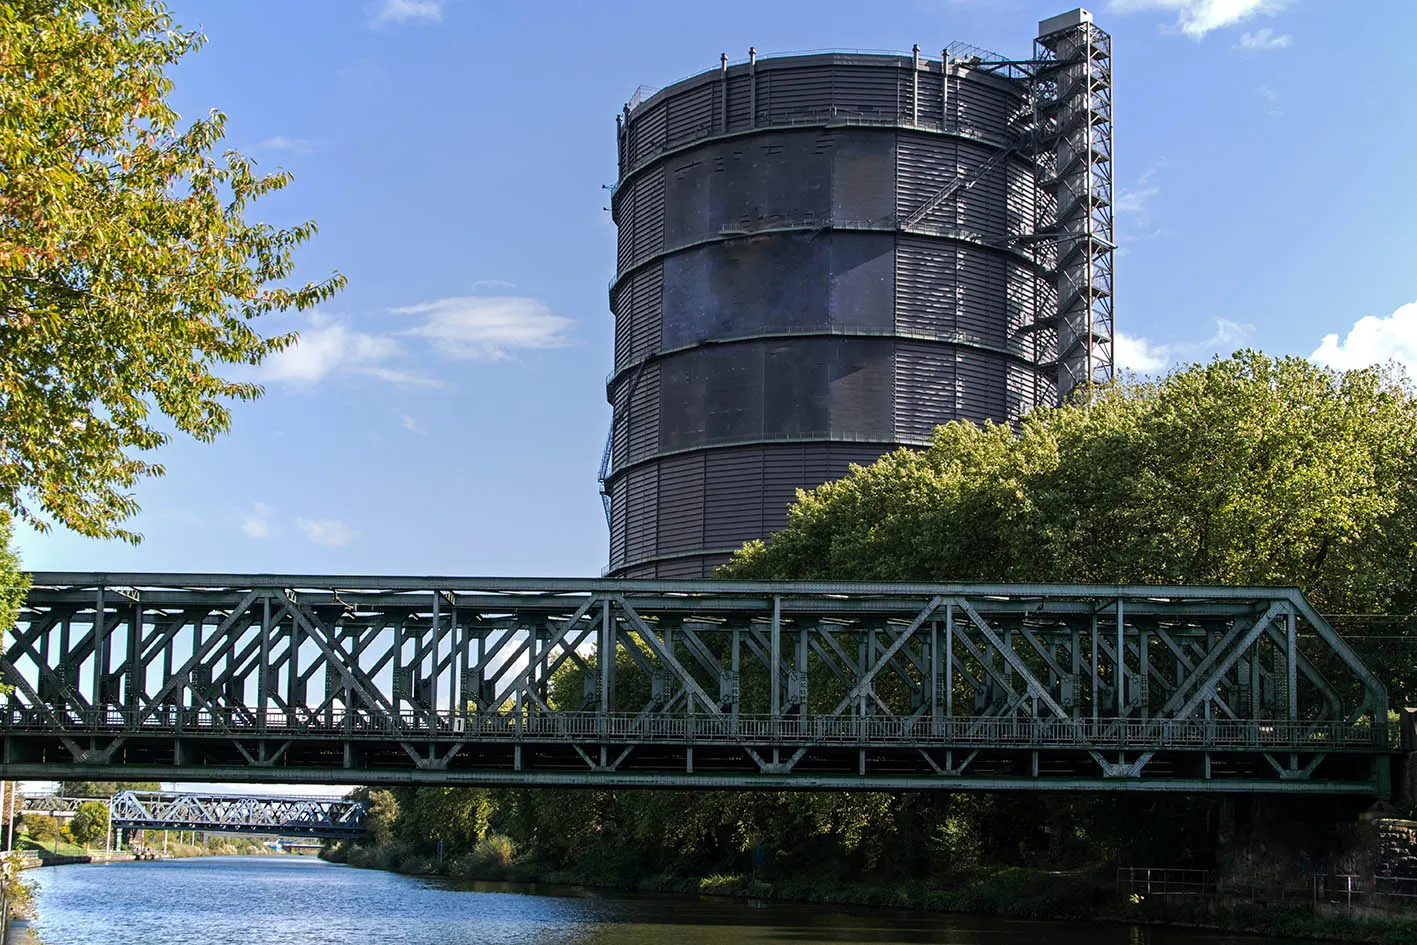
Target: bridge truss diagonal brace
x,y
690,684
1122,769
216,637
1035,687
338,660
863,685
19,682
1374,688
524,681
24,638
1219,661
1292,771
652,640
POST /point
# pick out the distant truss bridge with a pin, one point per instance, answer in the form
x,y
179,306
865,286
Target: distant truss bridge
x,y
323,818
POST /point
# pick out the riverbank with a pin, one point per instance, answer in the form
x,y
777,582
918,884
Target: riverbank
x,y
35,859
1012,892
71,853
29,860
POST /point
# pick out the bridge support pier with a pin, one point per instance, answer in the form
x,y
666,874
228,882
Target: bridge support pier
x,y
1405,780
1282,842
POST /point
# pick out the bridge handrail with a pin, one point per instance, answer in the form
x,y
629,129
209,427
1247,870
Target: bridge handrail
x,y
1197,733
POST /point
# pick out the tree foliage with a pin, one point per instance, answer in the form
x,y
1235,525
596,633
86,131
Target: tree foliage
x,y
129,274
90,822
383,815
14,583
41,827
1248,470
104,789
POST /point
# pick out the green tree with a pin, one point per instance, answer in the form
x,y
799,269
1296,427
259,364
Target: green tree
x,y
13,582
383,815
456,816
90,821
129,275
40,827
1248,470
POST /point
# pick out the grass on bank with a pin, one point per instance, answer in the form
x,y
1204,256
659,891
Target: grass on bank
x,y
48,847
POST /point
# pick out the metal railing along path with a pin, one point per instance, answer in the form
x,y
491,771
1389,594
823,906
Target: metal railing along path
x,y
1213,734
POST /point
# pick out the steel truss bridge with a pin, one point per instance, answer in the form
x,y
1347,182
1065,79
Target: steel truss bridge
x,y
320,817
58,806
716,684
324,818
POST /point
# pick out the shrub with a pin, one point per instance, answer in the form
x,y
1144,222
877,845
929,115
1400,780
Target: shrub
x,y
40,827
495,849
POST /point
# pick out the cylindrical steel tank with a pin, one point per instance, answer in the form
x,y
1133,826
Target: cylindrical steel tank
x,y
821,258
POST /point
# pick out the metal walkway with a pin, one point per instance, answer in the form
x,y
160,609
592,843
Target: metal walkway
x,y
719,684
325,818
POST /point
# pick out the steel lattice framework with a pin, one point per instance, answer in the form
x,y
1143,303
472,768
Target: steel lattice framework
x,y
1072,92
1069,81
712,684
326,818
58,806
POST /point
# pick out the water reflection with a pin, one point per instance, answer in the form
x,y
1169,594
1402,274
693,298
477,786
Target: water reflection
x,y
289,900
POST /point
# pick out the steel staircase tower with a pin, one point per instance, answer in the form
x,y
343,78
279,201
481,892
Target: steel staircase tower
x,y
1071,84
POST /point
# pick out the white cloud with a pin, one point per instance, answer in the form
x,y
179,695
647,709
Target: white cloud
x,y
402,378
1373,340
1196,18
282,143
469,327
1133,200
327,531
488,328
1138,355
328,347
1228,337
1271,100
1263,39
405,11
257,522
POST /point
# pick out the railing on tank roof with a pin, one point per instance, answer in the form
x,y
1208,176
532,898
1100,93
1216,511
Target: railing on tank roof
x,y
843,115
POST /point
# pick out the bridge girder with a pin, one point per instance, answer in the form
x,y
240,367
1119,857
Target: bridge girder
x,y
712,684
323,818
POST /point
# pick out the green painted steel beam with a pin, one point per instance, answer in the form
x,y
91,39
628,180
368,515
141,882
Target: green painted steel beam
x,y
619,779
633,586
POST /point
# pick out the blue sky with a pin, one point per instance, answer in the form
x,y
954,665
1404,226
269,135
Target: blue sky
x,y
445,414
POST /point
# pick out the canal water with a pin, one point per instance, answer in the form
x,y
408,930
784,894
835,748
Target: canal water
x,y
305,901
